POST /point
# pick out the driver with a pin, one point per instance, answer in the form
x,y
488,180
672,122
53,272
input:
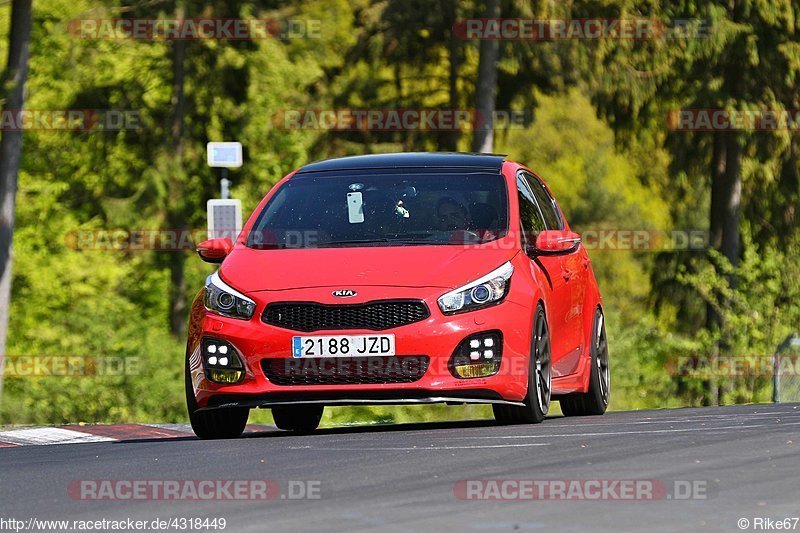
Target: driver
x,y
451,214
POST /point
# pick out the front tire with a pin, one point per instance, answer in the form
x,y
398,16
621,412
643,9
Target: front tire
x,y
216,424
537,400
595,400
297,418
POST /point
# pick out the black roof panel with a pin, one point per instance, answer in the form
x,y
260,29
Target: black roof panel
x,y
408,160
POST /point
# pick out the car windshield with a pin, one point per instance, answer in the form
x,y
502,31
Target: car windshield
x,y
392,209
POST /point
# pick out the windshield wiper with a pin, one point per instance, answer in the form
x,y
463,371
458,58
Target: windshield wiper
x,y
267,246
333,244
373,241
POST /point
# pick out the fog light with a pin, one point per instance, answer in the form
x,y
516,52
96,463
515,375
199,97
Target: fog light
x,y
226,367
225,376
475,371
469,362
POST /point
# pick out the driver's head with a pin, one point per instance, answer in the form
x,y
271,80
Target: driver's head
x,y
451,214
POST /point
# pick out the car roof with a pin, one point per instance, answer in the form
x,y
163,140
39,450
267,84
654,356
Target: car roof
x,y
492,162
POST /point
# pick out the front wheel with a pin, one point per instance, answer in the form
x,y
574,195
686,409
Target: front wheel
x,y
217,423
537,401
297,418
595,400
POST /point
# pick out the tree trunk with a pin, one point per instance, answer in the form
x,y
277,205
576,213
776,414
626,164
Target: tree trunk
x,y
726,194
718,161
716,215
454,55
732,197
730,215
176,219
11,154
716,212
483,138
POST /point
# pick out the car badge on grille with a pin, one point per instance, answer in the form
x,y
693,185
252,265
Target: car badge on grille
x,y
344,293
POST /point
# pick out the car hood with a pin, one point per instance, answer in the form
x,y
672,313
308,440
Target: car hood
x,y
446,266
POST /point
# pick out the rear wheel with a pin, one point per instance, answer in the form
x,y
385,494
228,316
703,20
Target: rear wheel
x,y
226,423
537,401
595,400
297,418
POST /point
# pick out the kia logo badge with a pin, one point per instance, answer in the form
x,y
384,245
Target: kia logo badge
x,y
344,293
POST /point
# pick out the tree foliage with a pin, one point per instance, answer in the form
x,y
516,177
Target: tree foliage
x,y
595,131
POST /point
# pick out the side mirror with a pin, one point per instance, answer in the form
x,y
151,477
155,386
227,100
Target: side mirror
x,y
214,250
555,242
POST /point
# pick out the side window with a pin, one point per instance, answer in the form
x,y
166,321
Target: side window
x,y
529,214
546,203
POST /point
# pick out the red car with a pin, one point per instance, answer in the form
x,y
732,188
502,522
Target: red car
x,y
397,278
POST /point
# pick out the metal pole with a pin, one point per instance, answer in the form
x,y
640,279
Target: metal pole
x,y
224,185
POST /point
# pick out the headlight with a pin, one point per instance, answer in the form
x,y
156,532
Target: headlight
x,y
225,300
482,292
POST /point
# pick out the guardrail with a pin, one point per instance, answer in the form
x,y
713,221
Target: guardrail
x,y
790,386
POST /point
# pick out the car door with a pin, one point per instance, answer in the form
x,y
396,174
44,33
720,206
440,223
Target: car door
x,y
550,267
572,272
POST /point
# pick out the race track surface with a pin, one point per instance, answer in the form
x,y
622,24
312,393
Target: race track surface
x,y
739,462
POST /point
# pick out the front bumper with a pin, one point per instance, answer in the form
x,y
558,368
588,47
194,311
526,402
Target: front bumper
x,y
435,337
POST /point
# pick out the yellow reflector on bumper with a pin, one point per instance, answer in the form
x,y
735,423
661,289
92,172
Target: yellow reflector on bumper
x,y
225,376
475,371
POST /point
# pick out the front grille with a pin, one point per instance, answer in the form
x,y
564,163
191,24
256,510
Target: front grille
x,y
376,316
345,370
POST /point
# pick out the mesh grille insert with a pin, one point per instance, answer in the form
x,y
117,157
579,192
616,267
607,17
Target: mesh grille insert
x,y
376,316
345,370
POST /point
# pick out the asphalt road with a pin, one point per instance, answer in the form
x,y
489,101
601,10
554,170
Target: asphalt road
x,y
742,462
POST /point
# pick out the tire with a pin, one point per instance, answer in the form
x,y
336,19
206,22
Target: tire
x,y
595,400
226,423
297,418
537,399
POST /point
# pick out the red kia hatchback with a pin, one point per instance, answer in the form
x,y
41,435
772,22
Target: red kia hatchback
x,y
397,278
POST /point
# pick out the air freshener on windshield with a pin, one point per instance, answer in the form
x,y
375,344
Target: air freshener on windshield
x,y
400,210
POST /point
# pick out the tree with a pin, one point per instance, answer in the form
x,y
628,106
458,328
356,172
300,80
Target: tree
x,y
11,153
746,61
486,89
176,205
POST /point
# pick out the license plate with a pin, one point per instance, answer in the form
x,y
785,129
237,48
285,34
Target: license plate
x,y
342,345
